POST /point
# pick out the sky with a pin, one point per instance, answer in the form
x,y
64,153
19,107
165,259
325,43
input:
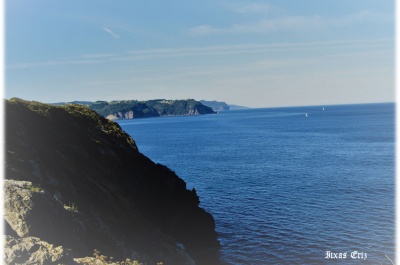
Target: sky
x,y
251,53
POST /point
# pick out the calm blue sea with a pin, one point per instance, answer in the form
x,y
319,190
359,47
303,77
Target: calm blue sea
x,y
285,188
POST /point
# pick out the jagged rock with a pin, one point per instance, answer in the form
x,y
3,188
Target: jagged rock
x,y
17,204
30,211
32,250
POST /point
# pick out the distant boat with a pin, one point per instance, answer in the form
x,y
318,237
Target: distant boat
x,y
323,108
306,114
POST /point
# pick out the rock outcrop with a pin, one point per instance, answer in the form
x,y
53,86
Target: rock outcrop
x,y
32,250
76,182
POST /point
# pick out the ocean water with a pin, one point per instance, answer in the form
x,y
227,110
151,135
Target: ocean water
x,y
285,188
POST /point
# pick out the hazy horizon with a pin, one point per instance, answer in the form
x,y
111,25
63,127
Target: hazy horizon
x,y
249,53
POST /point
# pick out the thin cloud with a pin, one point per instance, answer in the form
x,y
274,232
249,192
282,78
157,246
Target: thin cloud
x,y
364,16
54,63
98,55
286,24
379,44
111,32
291,23
263,25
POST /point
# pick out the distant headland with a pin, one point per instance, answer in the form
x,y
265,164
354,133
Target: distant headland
x,y
221,105
132,109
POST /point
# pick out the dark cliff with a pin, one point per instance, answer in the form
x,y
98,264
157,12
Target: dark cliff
x,y
82,184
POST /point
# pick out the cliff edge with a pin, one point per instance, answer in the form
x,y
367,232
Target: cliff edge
x,y
76,183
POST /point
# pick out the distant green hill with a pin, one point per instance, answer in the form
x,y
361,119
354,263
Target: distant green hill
x,y
73,102
215,105
129,109
220,105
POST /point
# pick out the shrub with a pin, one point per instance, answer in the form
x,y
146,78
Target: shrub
x,y
33,188
72,207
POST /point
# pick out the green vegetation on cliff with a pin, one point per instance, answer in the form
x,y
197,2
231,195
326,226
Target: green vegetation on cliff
x,y
129,109
118,201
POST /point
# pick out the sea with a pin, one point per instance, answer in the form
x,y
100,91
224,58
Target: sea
x,y
296,185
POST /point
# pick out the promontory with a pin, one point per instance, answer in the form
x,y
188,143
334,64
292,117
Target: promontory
x,y
130,109
78,191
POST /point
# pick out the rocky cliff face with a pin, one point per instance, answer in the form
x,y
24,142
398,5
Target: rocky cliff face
x,y
76,182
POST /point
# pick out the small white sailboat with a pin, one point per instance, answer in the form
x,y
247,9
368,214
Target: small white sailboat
x,y
323,108
306,114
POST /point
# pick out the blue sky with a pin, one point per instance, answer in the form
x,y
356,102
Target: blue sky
x,y
252,53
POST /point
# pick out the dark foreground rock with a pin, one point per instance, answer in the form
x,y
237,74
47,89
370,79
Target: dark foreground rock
x,y
75,183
